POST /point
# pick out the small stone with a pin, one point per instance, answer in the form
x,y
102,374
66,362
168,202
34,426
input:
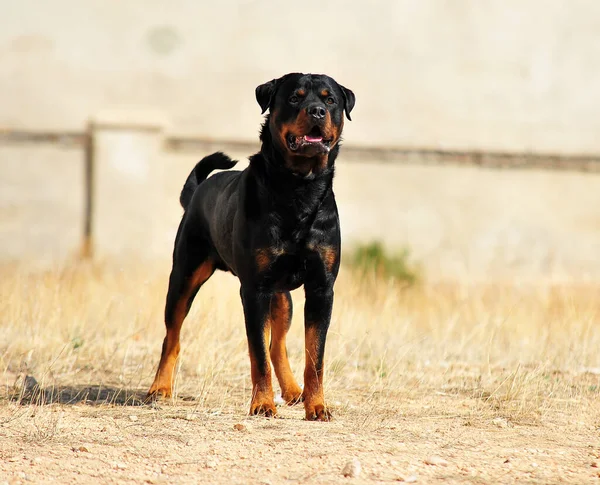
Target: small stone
x,y
596,464
436,461
120,466
411,479
190,417
212,463
133,417
352,468
83,449
240,427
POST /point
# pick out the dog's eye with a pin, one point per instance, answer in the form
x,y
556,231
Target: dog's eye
x,y
293,99
330,100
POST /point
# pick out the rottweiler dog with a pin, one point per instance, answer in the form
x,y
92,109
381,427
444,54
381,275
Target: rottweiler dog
x,y
275,226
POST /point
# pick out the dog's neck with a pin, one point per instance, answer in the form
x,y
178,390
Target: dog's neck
x,y
297,194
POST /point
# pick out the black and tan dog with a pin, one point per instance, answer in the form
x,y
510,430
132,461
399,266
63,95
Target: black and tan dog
x,y
275,226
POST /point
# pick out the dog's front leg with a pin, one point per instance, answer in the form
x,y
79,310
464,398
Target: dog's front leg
x,y
256,311
317,315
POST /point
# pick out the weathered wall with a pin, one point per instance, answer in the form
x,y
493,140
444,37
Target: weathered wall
x,y
477,223
514,75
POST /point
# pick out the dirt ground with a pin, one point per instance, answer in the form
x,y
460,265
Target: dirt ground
x,y
393,439
434,384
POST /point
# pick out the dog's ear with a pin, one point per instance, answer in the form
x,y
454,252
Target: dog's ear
x,y
349,100
266,92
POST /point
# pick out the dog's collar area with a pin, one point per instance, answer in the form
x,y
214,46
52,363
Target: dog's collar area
x,y
305,176
294,170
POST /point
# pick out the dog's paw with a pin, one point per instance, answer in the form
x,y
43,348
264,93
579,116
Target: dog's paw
x,y
157,392
317,412
264,408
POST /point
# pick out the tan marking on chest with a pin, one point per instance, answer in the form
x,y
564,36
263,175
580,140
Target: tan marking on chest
x,y
265,256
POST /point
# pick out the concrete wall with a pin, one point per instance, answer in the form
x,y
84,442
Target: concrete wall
x,y
477,223
513,75
41,202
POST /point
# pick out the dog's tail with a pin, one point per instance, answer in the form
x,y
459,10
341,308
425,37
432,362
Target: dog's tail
x,y
216,161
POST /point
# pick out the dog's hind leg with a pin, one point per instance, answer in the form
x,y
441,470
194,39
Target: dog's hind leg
x,y
281,319
191,269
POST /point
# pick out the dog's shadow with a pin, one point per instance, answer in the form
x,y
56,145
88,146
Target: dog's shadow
x,y
92,395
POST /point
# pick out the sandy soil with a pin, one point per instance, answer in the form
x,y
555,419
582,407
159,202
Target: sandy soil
x,y
393,437
435,384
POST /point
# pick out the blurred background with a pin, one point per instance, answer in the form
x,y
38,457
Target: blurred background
x,y
473,150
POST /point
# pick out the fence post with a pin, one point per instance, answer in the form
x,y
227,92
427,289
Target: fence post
x,y
87,247
124,184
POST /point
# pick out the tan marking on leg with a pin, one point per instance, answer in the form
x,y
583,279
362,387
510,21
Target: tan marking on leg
x,y
262,387
314,402
280,324
163,381
328,254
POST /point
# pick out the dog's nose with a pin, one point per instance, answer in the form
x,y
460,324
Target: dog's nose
x,y
316,111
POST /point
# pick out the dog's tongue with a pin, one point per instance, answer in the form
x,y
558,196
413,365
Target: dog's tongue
x,y
313,139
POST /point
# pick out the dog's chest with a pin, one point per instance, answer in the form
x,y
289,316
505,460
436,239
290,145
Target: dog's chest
x,y
284,267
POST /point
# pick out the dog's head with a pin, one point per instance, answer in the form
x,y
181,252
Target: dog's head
x,y
306,117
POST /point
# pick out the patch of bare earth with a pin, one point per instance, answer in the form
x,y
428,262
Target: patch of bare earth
x,y
443,383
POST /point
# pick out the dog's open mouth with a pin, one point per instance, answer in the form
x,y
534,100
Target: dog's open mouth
x,y
313,139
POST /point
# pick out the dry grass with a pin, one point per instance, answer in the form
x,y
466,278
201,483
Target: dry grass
x,y
503,356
